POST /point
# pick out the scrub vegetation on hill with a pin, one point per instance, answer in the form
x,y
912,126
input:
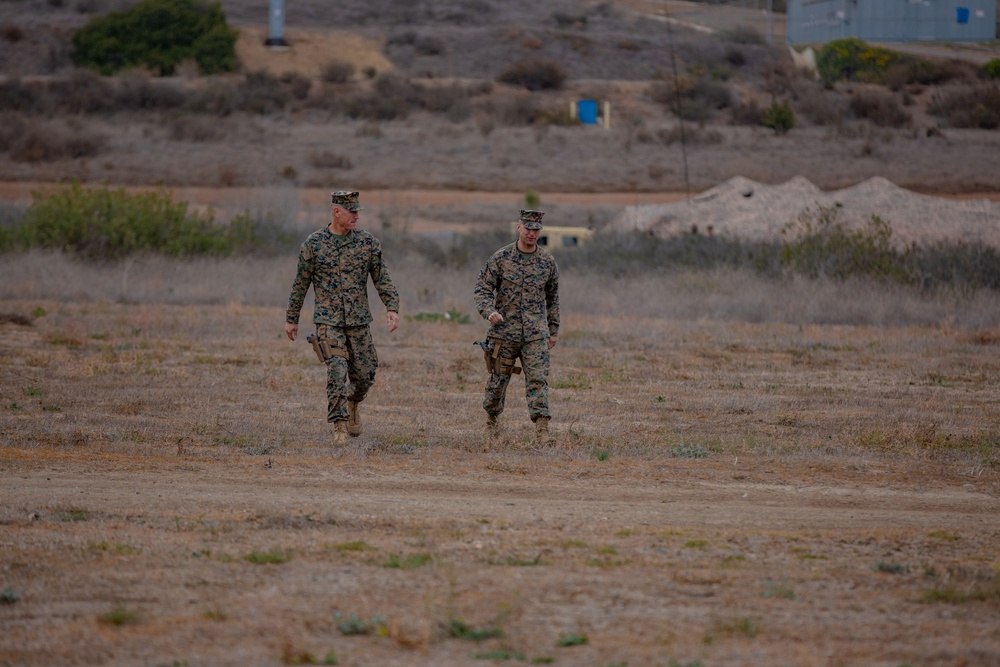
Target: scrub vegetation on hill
x,y
469,71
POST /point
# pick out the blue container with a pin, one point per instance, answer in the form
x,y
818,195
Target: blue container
x,y
586,111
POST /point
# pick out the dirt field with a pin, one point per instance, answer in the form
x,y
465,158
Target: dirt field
x,y
721,494
745,474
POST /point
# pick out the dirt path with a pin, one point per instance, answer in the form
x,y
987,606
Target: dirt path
x,y
649,563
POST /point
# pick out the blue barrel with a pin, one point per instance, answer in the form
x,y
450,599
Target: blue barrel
x,y
586,111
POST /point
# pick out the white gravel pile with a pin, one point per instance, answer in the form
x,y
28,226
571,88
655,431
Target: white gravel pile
x,y
747,210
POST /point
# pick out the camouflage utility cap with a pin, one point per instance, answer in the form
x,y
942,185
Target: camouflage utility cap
x,y
532,219
347,199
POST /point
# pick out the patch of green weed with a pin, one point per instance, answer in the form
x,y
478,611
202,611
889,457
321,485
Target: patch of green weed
x,y
688,450
72,514
410,562
777,591
355,625
891,567
943,535
354,546
120,616
500,654
573,639
273,557
461,630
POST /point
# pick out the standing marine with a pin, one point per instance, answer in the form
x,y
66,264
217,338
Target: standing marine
x,y
518,293
337,261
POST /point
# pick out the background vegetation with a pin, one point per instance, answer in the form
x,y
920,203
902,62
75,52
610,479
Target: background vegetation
x,y
159,35
104,224
471,63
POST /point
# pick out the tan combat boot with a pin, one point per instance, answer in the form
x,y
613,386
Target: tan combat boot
x,y
353,419
542,434
340,433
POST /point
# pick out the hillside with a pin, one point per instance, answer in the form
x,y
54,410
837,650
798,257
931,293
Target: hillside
x,y
421,107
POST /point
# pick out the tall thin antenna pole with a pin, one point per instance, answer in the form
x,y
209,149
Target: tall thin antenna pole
x,y
276,25
677,107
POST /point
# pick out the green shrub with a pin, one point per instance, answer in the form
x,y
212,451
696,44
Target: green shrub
x,y
779,117
215,49
9,595
158,34
105,224
273,557
819,244
460,630
992,68
851,59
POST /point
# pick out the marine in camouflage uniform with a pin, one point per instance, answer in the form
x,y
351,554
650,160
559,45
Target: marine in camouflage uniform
x,y
518,293
337,261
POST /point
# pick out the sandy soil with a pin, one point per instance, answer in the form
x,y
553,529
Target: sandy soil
x,y
135,495
650,562
152,454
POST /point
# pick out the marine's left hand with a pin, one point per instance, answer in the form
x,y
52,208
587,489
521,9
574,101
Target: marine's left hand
x,y
392,320
552,341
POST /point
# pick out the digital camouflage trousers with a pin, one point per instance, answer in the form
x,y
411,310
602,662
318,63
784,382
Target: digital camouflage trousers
x,y
534,356
350,378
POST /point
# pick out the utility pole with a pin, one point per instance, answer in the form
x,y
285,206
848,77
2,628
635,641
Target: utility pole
x,y
276,36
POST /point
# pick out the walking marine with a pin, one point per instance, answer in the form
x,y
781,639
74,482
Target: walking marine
x,y
337,261
518,293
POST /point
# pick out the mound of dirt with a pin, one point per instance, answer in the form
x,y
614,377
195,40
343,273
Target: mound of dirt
x,y
309,52
745,209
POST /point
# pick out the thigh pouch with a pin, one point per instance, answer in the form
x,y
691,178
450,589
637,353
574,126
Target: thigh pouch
x,y
324,350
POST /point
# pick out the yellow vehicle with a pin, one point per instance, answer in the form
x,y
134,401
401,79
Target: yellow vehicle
x,y
552,238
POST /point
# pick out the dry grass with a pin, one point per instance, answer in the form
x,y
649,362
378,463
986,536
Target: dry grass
x,y
725,362
719,485
782,473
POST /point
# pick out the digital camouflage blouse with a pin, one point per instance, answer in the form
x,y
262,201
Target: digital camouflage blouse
x,y
338,268
524,288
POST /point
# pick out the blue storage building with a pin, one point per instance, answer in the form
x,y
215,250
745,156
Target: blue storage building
x,y
818,21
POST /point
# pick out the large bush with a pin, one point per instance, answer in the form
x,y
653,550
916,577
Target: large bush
x,y
109,224
158,34
819,244
854,60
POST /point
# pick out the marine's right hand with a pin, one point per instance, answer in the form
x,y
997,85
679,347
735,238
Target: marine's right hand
x,y
291,330
495,317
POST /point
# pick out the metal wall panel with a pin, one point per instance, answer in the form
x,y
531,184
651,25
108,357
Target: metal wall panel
x,y
818,21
